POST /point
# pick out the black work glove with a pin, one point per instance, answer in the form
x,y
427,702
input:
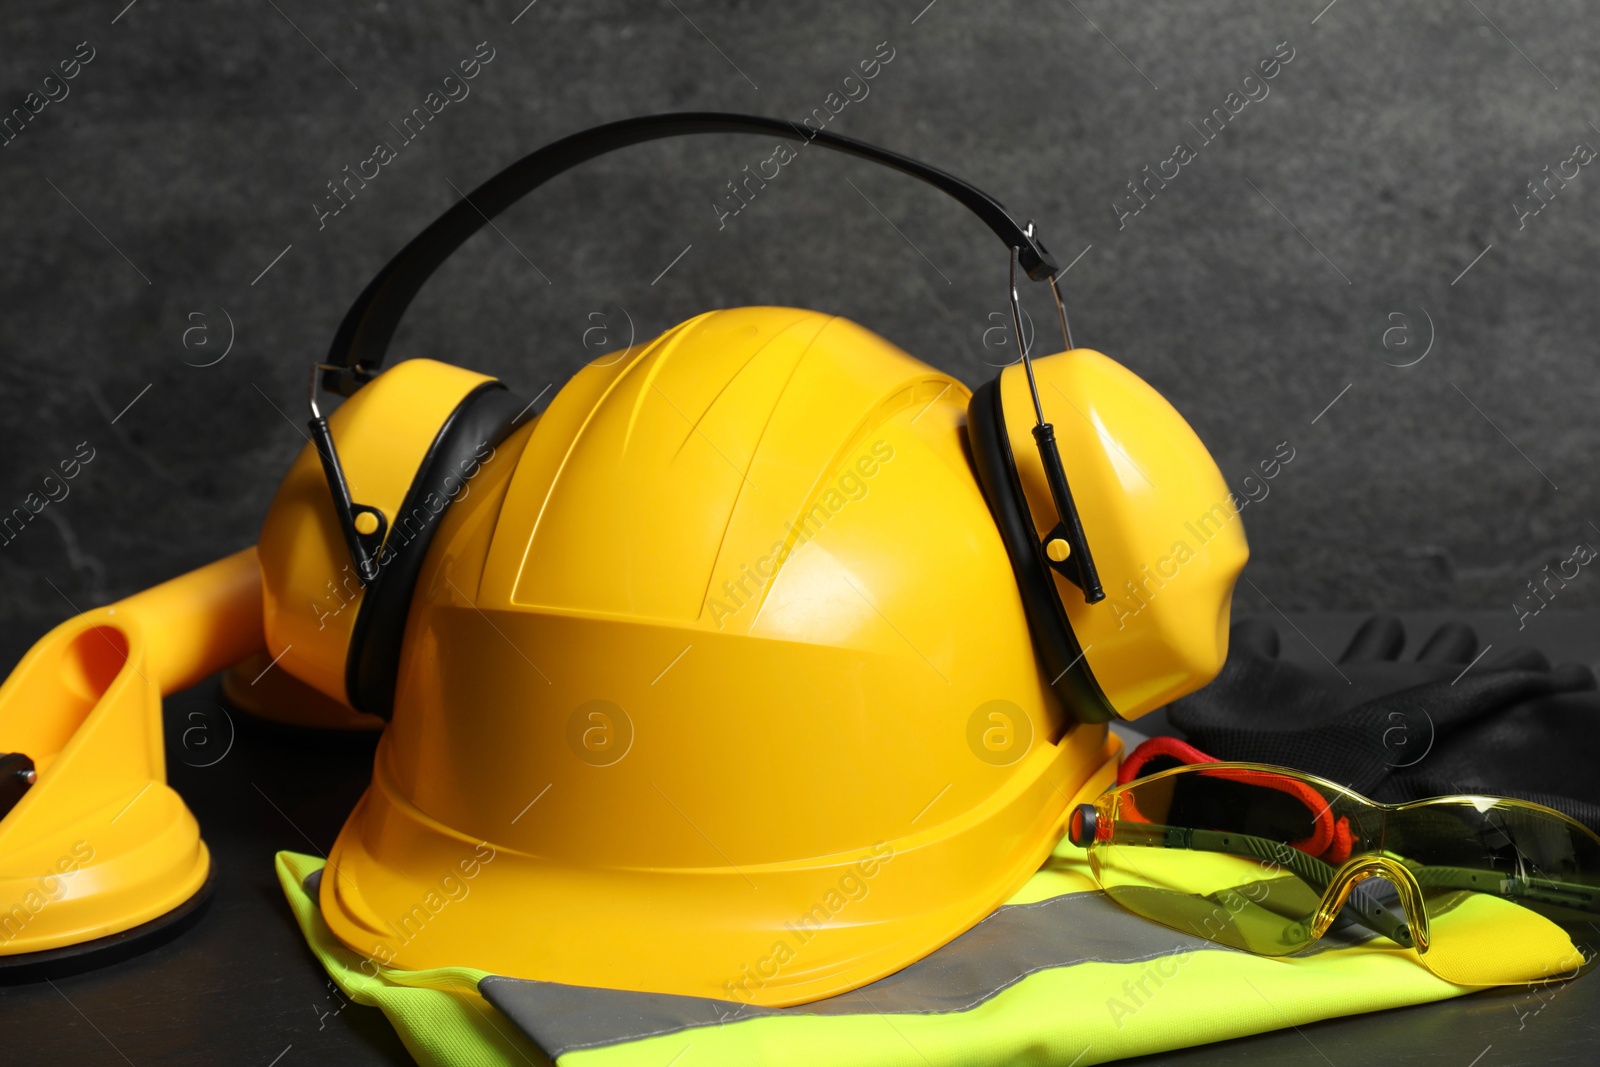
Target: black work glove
x,y
1397,730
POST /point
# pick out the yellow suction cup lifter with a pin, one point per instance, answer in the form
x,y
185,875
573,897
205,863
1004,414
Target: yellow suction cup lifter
x,y
96,850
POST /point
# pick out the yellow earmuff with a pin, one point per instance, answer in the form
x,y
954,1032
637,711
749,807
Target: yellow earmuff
x,y
1166,535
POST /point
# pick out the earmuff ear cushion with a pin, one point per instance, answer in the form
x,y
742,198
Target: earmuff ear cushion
x,y
1060,654
483,419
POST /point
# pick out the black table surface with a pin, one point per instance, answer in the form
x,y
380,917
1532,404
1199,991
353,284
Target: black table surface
x,y
241,987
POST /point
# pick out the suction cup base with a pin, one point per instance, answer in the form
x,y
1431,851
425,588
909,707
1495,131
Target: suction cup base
x,y
113,948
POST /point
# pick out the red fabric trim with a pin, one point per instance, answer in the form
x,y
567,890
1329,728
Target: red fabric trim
x,y
1136,761
1330,840
1148,750
1322,818
1343,841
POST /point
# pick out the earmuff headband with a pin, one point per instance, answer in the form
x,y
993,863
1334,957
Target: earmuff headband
x,y
359,347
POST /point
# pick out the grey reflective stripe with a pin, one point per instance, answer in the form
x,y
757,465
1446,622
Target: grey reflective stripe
x,y
1014,942
1017,940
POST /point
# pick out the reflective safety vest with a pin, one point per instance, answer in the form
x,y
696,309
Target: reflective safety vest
x,y
1056,975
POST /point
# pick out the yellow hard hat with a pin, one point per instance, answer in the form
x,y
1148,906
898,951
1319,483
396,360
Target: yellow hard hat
x,y
763,661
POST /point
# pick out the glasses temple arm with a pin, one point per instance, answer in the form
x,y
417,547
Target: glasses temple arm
x,y
1314,872
1319,875
1543,890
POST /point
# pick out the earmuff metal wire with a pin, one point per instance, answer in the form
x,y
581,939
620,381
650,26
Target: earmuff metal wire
x,y
1016,322
311,391
1061,310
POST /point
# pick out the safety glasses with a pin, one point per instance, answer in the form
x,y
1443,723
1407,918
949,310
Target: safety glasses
x,y
1484,890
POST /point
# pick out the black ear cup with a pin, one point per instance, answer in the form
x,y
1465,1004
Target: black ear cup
x,y
481,421
1059,651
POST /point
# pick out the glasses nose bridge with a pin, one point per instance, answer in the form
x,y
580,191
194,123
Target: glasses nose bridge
x,y
1359,869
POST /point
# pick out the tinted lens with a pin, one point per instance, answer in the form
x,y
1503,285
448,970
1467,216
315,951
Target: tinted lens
x,y
1512,890
1214,857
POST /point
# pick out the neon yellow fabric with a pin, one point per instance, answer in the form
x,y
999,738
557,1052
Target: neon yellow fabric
x,y
1082,1014
1489,939
438,1014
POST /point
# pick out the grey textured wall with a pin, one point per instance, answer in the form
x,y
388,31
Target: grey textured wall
x,y
169,203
